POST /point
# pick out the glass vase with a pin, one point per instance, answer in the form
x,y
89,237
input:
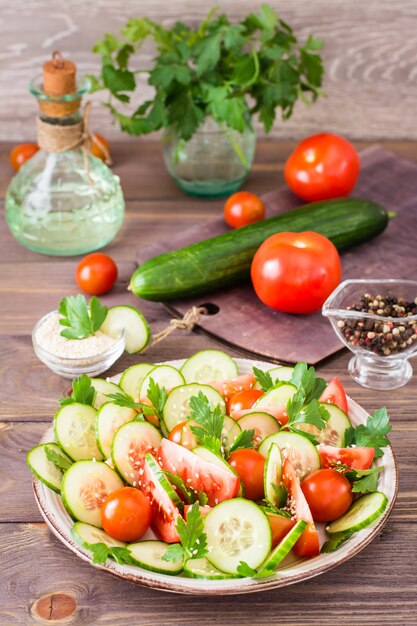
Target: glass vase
x,y
213,163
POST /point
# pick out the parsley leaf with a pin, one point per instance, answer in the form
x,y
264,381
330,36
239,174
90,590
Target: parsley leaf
x,y
210,422
188,494
335,541
80,320
300,413
123,399
264,379
192,536
366,481
304,377
157,396
82,392
245,439
371,435
101,552
281,494
122,555
62,463
269,508
247,571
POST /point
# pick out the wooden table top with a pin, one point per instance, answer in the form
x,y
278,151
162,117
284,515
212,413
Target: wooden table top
x,y
378,586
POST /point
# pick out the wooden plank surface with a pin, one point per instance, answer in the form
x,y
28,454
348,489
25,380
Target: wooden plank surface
x,y
378,586
369,58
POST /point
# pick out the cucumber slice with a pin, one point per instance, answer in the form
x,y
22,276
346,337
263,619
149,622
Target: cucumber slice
x,y
132,379
102,388
285,546
46,471
148,555
110,417
85,486
230,432
207,366
75,432
130,444
301,452
272,474
161,484
237,530
275,397
177,406
262,423
130,321
361,514
86,534
165,375
202,568
333,433
280,373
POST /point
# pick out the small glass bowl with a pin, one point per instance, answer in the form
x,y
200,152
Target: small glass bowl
x,y
72,367
381,344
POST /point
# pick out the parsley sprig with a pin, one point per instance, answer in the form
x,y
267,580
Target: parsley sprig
x,y
372,434
189,495
363,481
101,552
82,392
192,536
210,422
264,379
81,320
157,396
245,439
61,461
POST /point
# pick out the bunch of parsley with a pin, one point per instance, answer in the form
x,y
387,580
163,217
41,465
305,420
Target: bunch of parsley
x,y
227,71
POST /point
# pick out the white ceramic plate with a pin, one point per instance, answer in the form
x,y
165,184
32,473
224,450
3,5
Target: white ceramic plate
x,y
293,571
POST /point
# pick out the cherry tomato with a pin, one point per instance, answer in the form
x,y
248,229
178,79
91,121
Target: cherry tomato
x,y
22,153
249,464
243,400
96,273
183,435
295,272
243,208
328,494
321,167
97,147
126,514
335,394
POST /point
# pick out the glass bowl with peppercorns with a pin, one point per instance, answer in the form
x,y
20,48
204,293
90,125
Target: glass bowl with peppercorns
x,y
377,321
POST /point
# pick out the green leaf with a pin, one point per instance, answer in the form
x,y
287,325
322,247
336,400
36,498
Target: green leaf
x,y
186,493
123,399
210,422
234,37
245,69
313,67
157,396
164,75
97,313
245,570
366,481
121,555
294,405
79,320
191,533
82,392
371,435
335,541
117,80
124,54
95,83
106,46
269,508
207,53
281,494
245,439
184,114
100,552
313,43
174,553
264,379
137,29
60,462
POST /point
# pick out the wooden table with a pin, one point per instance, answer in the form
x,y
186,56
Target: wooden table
x,y
378,586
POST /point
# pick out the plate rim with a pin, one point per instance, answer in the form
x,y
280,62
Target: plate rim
x,y
150,579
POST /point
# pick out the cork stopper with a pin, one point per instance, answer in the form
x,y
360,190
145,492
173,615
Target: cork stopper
x,y
59,79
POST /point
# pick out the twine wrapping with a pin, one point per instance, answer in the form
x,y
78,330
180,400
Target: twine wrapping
x,y
187,322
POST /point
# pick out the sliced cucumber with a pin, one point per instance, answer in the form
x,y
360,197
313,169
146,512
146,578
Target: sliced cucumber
x,y
207,366
272,475
361,514
301,452
74,426
130,444
333,433
165,376
148,554
262,423
132,378
275,397
110,417
86,534
202,568
130,321
103,387
177,406
161,483
285,546
44,469
237,530
230,432
85,486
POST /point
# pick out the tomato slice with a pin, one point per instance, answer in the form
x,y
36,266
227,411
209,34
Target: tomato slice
x,y
229,388
217,483
335,394
279,413
308,544
280,526
203,509
359,458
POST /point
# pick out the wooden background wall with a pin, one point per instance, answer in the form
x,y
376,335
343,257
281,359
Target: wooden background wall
x,y
370,57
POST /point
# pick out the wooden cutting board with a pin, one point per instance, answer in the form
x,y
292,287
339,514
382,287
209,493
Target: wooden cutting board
x,y
243,322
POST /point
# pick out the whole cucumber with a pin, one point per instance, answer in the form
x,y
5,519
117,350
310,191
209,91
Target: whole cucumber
x,y
226,259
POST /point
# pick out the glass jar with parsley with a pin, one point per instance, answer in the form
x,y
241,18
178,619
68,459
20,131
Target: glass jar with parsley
x,y
209,80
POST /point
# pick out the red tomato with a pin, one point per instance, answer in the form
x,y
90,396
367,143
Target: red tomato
x,y
96,273
308,544
249,464
280,526
243,400
321,167
295,272
359,458
229,388
243,208
183,435
335,394
100,146
22,153
328,494
126,514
